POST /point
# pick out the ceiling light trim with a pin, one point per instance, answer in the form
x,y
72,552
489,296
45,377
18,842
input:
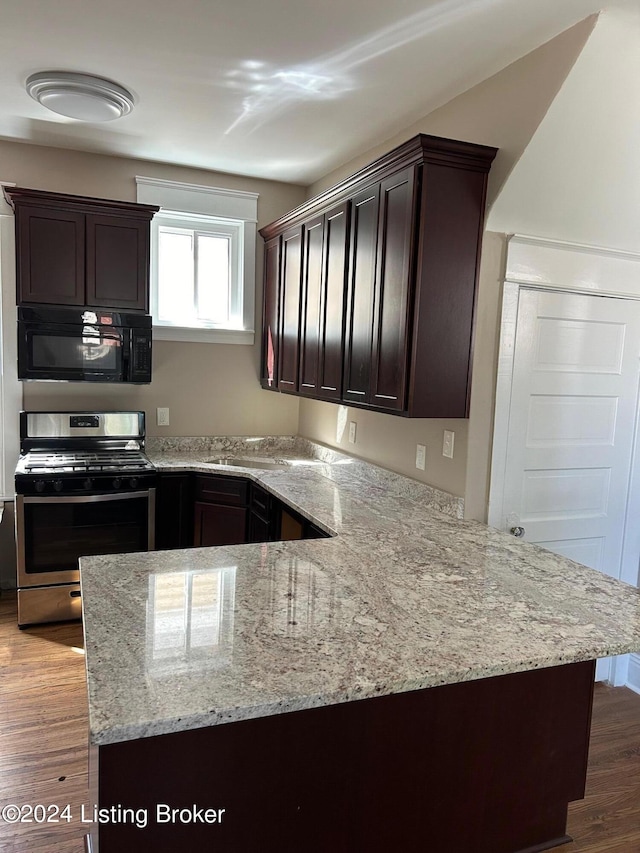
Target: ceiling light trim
x,y
83,97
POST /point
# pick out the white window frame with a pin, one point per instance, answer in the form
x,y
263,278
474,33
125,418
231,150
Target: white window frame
x,y
191,204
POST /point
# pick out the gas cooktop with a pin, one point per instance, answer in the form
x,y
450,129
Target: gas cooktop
x,y
45,462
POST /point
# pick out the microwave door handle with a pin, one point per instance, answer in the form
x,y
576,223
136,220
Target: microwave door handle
x,y
126,340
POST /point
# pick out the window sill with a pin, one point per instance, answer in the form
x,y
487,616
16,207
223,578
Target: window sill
x,y
205,336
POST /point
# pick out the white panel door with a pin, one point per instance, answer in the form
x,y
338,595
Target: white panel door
x,y
571,424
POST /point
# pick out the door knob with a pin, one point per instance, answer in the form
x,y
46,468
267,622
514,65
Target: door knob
x,y
517,531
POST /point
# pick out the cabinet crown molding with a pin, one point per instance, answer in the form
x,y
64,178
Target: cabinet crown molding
x,y
422,148
79,203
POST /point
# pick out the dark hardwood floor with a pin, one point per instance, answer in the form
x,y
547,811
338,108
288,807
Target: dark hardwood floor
x,y
43,730
43,747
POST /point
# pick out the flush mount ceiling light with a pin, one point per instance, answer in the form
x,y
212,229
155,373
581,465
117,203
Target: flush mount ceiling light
x,y
80,96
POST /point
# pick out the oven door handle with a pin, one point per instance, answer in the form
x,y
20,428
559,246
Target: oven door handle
x,y
85,499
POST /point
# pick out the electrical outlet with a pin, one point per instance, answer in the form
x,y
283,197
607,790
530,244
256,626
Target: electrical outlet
x,y
421,456
447,443
352,432
162,417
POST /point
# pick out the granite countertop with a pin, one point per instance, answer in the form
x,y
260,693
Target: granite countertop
x,y
404,595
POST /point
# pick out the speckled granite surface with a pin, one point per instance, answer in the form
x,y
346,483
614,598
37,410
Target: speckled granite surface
x,y
402,597
192,454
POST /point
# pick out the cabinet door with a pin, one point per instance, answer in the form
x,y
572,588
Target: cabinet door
x,y
361,295
174,511
259,529
334,280
270,314
215,489
393,283
290,525
219,525
291,269
50,249
117,262
310,308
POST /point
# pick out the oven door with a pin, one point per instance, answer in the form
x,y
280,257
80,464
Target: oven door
x,y
52,532
72,352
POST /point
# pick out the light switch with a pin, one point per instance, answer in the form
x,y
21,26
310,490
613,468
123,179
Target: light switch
x,y
162,416
352,432
447,443
421,456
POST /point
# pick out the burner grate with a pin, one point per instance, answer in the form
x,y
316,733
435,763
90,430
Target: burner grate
x,y
46,462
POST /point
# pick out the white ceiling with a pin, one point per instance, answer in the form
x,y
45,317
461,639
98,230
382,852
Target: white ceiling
x,y
279,89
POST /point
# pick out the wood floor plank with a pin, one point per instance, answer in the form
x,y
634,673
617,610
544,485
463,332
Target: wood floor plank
x,y
43,731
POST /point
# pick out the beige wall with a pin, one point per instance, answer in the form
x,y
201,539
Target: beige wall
x,y
391,441
209,389
503,111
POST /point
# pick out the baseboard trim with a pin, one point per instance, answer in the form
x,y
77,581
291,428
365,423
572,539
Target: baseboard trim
x,y
633,674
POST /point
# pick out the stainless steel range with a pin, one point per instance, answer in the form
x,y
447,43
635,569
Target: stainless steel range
x,y
83,486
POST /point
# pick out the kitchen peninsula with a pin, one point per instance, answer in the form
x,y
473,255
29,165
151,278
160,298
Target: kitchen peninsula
x,y
226,678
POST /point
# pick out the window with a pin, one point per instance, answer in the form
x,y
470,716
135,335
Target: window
x,y
203,244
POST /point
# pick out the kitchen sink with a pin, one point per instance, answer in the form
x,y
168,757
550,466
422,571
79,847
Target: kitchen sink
x,y
247,462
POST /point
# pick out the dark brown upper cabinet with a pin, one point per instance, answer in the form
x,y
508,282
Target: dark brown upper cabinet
x,y
305,272
324,272
377,331
74,250
309,379
290,294
410,228
271,314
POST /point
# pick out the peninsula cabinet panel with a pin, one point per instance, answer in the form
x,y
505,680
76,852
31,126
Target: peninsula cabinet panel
x,y
291,276
361,295
270,314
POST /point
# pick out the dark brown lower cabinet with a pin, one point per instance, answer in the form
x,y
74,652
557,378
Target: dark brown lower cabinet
x,y
259,529
220,510
485,766
290,525
215,524
203,510
261,505
174,511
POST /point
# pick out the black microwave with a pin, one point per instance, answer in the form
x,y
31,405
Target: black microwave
x,y
83,345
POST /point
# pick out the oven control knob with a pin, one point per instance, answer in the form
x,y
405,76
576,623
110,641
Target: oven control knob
x,y
39,485
86,484
133,482
57,485
117,483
